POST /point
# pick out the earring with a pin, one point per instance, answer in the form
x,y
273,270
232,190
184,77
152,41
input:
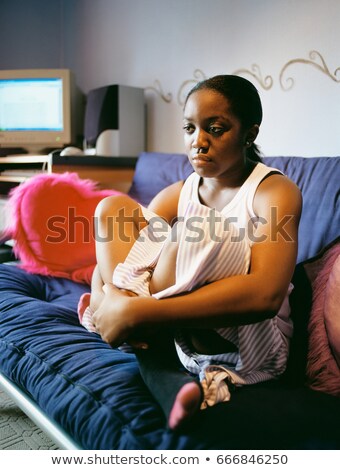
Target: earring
x,y
248,143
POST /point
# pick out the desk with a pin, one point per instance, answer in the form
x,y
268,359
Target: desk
x,y
108,172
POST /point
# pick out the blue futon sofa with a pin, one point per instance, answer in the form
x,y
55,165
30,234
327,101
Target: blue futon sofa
x,y
90,396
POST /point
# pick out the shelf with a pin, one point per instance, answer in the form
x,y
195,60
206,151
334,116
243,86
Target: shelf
x,y
14,179
95,160
19,168
83,160
109,172
26,159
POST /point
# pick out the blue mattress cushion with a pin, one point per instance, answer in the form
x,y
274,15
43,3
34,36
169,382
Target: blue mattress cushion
x,y
97,395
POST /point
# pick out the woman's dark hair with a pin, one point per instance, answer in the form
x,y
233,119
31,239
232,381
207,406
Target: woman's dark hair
x,y
244,100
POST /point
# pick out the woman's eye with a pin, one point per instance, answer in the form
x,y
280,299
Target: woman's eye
x,y
215,130
188,128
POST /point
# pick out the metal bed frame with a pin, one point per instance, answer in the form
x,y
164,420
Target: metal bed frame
x,y
56,433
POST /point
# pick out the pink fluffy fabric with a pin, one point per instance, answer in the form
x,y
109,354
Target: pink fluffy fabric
x,y
52,223
323,370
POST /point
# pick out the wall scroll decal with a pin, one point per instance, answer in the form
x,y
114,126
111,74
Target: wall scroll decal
x,y
266,82
182,92
159,90
314,58
255,72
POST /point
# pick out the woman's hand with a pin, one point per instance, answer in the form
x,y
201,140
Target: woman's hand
x,y
113,318
110,319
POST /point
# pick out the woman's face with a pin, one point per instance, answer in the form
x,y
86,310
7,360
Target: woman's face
x,y
214,139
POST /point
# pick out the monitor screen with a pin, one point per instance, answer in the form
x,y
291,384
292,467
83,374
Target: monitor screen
x,y
31,104
37,109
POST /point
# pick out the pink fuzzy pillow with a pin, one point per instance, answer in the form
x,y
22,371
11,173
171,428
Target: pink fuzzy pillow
x,y
52,224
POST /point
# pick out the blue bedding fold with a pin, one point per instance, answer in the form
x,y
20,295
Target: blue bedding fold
x,y
96,393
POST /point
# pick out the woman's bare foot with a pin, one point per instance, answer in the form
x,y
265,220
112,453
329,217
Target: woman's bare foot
x,y
187,402
83,303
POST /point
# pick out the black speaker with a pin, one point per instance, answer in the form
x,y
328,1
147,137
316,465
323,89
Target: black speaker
x,y
115,120
102,112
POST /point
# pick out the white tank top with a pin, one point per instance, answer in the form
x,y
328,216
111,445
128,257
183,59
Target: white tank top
x,y
262,347
240,209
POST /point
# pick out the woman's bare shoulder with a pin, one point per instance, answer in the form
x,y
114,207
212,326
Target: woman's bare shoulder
x,y
280,191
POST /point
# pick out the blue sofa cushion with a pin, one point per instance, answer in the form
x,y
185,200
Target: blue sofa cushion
x,y
319,182
96,393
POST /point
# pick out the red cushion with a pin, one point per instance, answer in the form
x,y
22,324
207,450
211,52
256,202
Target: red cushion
x,y
52,221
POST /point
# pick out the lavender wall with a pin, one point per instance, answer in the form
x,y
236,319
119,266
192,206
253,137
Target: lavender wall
x,y
165,46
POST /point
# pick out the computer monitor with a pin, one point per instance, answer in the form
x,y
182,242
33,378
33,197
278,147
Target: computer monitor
x,y
39,109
